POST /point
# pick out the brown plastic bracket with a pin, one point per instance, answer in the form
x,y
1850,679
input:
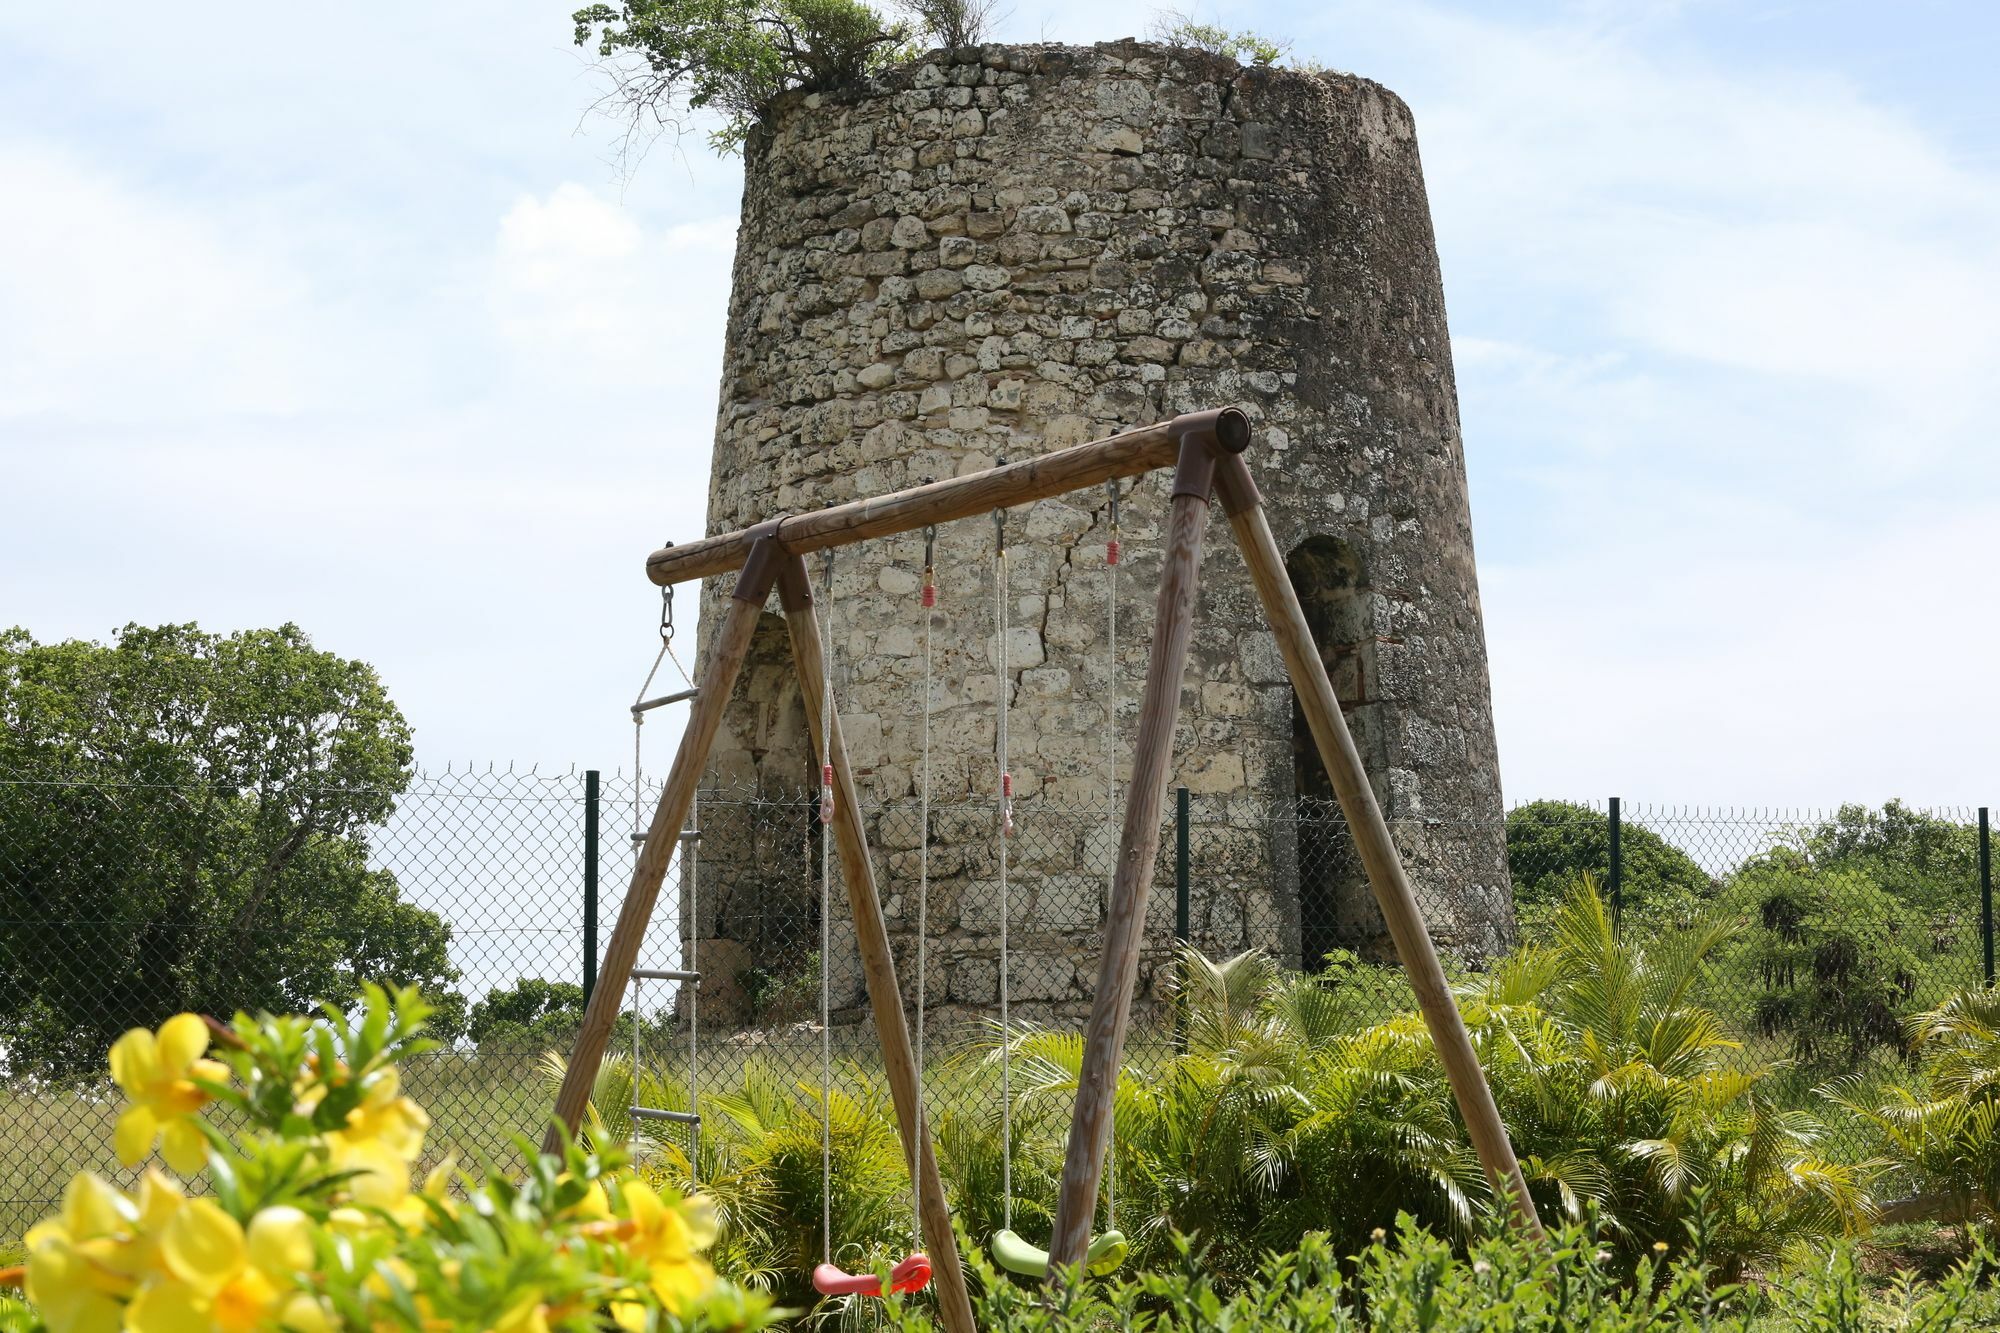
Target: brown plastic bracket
x,y
794,584
1234,485
764,565
1206,437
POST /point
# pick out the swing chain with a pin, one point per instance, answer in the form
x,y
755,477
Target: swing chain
x,y
666,613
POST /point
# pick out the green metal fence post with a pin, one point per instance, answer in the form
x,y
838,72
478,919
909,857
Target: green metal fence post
x,y
590,791
1181,931
1986,890
1181,865
1617,868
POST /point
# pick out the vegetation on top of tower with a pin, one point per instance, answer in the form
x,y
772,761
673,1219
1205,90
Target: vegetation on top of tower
x,y
1175,28
732,57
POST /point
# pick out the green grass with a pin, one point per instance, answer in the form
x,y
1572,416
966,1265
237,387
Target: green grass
x,y
478,1104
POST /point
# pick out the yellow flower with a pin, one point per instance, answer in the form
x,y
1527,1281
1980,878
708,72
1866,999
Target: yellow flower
x,y
305,1313
381,1138
664,1239
595,1205
86,1260
218,1277
413,1212
157,1073
77,1275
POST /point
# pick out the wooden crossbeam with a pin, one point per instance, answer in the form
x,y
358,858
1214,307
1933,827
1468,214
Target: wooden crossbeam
x,y
1057,473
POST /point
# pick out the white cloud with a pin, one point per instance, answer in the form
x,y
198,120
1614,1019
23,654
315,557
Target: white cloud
x,y
120,304
1726,377
581,290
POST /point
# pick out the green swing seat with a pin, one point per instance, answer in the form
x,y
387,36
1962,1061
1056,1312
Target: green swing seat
x,y
1105,1254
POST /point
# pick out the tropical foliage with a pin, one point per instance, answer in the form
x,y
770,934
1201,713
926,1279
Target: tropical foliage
x,y
1293,1111
1623,1092
306,1218
1412,1281
1943,1136
759,1167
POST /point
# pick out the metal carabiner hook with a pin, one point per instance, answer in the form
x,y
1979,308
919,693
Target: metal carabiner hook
x,y
666,613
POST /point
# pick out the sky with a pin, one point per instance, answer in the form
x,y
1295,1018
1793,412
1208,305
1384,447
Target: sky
x,y
350,316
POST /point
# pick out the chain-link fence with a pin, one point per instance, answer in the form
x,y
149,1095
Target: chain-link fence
x,y
123,904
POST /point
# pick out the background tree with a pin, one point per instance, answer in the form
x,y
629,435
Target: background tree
x,y
1553,844
184,827
1850,927
532,1011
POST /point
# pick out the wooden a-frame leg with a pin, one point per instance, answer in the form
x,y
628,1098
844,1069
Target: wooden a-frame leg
x,y
878,965
732,645
1372,840
1138,849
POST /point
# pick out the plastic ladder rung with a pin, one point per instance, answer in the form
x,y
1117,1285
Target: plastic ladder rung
x,y
671,1117
687,835
678,696
652,974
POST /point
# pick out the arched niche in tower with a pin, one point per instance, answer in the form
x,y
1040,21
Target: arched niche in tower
x,y
1336,908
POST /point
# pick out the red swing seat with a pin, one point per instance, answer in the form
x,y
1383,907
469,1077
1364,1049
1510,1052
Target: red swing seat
x,y
912,1274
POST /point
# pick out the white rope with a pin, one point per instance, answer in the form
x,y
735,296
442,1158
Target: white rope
x,y
690,850
1006,831
929,600
825,922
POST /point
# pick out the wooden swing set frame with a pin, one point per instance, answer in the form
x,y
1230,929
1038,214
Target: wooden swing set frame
x,y
1205,449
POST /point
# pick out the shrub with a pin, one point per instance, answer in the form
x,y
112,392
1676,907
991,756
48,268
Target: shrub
x,y
1850,928
1414,1281
309,1221
1552,843
1623,1092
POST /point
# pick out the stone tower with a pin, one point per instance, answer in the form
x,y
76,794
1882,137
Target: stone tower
x,y
999,251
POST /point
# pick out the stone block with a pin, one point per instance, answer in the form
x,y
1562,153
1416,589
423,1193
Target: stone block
x,y
1043,219
937,284
1116,139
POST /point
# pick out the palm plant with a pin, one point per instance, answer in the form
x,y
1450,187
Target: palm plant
x,y
1621,1091
760,1162
1944,1136
1291,1110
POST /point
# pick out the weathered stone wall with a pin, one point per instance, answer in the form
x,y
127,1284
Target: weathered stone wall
x,y
1001,251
